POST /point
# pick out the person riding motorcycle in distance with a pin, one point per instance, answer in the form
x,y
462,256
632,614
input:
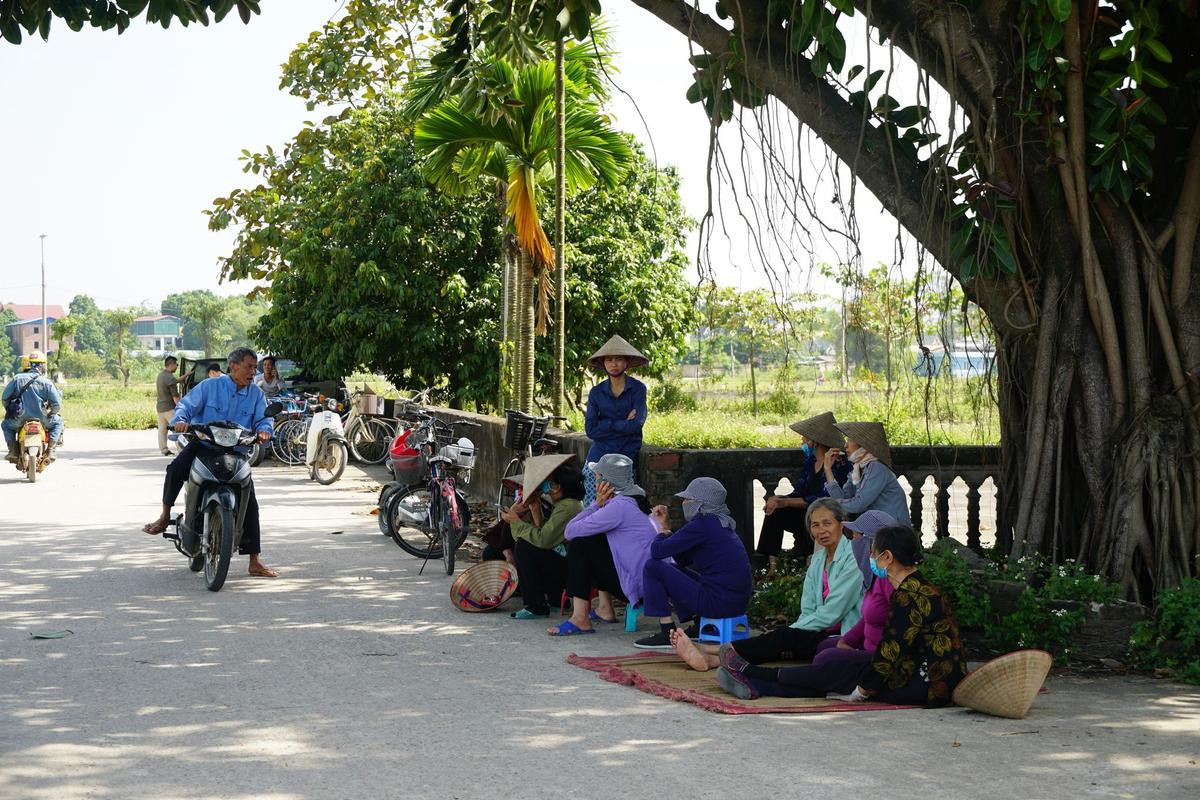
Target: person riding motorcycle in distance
x,y
34,392
235,398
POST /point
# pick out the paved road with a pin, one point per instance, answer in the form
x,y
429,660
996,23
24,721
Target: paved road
x,y
351,677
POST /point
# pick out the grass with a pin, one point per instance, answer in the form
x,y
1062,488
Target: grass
x,y
109,405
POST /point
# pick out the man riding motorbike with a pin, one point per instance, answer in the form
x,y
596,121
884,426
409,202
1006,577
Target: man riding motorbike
x,y
28,396
235,398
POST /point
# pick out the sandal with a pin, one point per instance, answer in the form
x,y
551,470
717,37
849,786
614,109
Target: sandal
x,y
568,628
594,617
525,613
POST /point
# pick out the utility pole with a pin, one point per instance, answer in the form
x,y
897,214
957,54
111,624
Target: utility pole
x,y
45,325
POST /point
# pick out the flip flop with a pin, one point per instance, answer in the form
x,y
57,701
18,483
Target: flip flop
x,y
594,617
525,613
568,628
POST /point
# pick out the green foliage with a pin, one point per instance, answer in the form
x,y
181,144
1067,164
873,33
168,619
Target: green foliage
x,y
125,420
1171,641
108,405
81,364
963,589
777,601
209,313
668,396
37,17
120,342
89,336
8,353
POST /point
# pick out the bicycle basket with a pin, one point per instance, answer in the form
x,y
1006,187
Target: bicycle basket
x,y
462,453
520,429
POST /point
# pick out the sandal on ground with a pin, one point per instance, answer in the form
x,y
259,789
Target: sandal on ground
x,y
594,617
568,628
525,613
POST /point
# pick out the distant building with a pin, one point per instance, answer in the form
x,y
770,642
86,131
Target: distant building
x,y
961,361
160,333
30,331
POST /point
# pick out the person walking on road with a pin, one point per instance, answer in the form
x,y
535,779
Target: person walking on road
x,y
167,388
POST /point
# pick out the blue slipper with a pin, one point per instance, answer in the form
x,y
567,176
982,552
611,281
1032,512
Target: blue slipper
x,y
594,617
568,628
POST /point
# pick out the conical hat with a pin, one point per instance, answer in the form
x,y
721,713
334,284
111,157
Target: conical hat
x,y
616,346
821,429
871,436
484,586
539,468
1005,686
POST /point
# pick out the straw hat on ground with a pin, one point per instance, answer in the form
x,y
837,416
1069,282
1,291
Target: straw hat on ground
x,y
616,346
1005,686
821,429
539,468
871,436
484,586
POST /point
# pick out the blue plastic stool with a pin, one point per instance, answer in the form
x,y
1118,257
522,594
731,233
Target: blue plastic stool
x,y
631,616
724,629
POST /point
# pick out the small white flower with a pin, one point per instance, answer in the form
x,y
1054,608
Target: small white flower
x,y
1096,578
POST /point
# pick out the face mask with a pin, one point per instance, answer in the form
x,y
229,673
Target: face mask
x,y
876,570
690,509
545,487
807,449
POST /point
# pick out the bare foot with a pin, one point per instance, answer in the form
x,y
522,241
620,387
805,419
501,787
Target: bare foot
x,y
691,655
261,570
155,528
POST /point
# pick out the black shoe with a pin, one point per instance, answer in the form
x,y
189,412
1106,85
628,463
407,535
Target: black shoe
x,y
659,641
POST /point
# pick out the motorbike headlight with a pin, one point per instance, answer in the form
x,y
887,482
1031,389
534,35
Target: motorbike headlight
x,y
225,437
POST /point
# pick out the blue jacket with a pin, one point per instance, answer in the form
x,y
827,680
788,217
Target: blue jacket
x,y
879,491
607,423
220,399
40,391
809,482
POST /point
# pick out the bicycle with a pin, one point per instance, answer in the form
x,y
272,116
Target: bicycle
x,y
291,431
367,434
524,435
429,519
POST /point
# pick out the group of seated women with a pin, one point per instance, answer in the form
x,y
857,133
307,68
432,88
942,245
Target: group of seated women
x,y
870,625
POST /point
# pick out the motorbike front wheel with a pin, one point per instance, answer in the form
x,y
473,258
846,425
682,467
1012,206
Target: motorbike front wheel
x,y
330,462
218,545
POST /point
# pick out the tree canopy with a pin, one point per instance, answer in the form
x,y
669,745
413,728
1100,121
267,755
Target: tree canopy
x,y
18,17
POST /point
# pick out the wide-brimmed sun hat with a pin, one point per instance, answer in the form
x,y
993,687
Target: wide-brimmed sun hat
x,y
871,436
616,469
822,429
539,468
1005,686
616,346
484,586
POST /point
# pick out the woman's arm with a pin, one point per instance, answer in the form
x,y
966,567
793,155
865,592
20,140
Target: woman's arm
x,y
550,532
639,412
595,520
845,590
863,497
593,425
682,540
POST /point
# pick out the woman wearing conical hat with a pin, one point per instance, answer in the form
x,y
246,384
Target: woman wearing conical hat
x,y
787,512
616,407
872,485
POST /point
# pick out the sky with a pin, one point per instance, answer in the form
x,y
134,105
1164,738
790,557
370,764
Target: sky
x,y
115,145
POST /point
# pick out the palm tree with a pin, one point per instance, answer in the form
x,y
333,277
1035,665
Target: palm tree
x,y
517,146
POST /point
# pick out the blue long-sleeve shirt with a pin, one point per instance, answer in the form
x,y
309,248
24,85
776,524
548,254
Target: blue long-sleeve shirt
x,y
40,391
220,399
714,553
607,422
809,482
878,491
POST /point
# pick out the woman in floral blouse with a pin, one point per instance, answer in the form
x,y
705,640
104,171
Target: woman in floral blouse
x,y
920,656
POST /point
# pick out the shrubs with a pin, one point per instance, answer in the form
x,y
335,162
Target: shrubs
x,y
124,421
669,396
1170,643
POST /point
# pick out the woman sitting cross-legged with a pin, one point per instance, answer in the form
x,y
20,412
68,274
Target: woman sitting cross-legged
x,y
829,602
608,544
700,569
919,659
539,552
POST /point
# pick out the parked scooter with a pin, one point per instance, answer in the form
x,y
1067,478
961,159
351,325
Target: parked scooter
x,y
33,448
210,527
326,451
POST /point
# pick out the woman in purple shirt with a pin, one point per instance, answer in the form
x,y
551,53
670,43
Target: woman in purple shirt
x,y
608,544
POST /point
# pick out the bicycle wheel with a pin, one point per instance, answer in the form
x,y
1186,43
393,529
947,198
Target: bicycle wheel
x,y
410,521
449,540
370,438
506,496
291,441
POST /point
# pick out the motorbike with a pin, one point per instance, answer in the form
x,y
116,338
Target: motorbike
x,y
210,526
326,449
33,448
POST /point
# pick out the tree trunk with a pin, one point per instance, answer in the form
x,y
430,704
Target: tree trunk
x,y
507,306
753,383
560,199
526,346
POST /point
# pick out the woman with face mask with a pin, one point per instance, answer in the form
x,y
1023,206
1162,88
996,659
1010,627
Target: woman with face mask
x,y
872,483
786,512
701,569
616,408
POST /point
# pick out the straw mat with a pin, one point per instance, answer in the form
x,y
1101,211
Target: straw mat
x,y
665,675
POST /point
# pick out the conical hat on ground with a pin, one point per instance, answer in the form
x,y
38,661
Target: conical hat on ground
x,y
1005,686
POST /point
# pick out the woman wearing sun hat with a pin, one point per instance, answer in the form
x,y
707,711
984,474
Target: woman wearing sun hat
x,y
700,569
787,512
616,408
539,550
872,483
608,544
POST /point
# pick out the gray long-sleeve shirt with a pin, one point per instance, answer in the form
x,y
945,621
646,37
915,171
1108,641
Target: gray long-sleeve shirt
x,y
879,491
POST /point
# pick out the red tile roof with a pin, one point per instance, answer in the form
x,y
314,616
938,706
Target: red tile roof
x,y
27,311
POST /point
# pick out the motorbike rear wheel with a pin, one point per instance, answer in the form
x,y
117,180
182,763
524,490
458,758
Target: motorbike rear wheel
x,y
217,543
31,461
331,462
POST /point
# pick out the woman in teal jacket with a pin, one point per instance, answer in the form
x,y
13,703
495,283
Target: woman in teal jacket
x,y
829,604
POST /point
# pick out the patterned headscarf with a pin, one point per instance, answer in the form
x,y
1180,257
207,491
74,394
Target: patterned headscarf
x,y
710,494
617,471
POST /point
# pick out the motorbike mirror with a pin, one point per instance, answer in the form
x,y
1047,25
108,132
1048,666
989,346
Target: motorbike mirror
x,y
274,409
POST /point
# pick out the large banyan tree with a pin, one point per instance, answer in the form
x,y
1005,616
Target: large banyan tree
x,y
1047,156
